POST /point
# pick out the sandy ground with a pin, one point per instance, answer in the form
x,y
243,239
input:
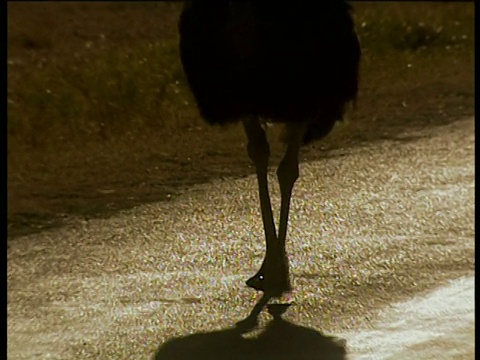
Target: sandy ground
x,y
374,231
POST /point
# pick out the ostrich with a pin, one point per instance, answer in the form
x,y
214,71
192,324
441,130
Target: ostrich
x,y
290,62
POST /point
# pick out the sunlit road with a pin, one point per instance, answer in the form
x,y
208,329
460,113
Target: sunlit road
x,y
377,233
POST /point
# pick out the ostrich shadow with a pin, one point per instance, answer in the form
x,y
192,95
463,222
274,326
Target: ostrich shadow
x,y
280,339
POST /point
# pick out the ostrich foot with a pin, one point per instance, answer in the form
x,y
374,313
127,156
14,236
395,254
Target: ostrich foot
x,y
272,278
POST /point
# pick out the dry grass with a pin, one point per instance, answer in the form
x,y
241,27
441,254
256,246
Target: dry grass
x,y
100,118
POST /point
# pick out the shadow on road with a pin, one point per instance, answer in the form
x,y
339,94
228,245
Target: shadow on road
x,y
280,339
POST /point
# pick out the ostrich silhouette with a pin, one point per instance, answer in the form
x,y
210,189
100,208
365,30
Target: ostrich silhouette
x,y
290,62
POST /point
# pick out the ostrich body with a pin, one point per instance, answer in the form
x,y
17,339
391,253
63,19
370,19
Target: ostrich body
x,y
294,63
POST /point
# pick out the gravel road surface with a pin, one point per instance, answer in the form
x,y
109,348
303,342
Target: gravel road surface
x,y
381,243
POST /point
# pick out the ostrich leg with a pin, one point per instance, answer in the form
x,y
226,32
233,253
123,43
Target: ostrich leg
x,y
287,174
259,152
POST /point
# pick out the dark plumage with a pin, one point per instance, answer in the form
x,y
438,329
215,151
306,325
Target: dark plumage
x,y
284,61
292,62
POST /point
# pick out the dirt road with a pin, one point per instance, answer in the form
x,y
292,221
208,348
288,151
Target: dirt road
x,y
374,231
